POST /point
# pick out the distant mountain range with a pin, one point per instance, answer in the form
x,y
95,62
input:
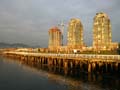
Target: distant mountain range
x,y
15,45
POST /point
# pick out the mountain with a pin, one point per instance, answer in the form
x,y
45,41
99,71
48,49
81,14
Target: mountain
x,y
15,45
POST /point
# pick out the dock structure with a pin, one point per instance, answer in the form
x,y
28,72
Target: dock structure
x,y
89,63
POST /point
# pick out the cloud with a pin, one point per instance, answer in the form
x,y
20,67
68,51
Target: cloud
x,y
28,21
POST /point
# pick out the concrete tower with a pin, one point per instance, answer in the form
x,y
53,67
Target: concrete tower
x,y
101,32
55,38
75,34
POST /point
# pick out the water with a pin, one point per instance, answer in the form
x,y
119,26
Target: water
x,y
16,75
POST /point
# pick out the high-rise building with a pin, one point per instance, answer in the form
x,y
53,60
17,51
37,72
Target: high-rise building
x,y
75,34
101,32
55,38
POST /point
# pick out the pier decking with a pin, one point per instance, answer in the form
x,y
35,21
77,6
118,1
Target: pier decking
x,y
88,57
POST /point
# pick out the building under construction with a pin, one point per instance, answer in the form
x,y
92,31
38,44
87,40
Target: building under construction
x,y
75,34
55,38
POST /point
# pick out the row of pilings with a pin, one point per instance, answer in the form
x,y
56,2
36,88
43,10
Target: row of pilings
x,y
70,66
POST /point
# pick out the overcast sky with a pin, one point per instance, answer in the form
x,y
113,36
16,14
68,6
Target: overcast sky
x,y
28,21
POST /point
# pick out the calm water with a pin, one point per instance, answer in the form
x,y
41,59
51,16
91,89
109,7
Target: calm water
x,y
16,75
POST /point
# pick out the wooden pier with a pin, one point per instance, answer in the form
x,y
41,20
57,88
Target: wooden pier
x,y
89,63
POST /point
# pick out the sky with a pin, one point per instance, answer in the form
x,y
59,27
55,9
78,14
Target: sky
x,y
28,21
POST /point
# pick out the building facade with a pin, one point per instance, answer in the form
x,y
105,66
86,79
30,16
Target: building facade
x,y
75,34
55,38
102,37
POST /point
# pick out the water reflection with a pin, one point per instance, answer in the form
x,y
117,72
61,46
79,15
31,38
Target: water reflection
x,y
71,79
